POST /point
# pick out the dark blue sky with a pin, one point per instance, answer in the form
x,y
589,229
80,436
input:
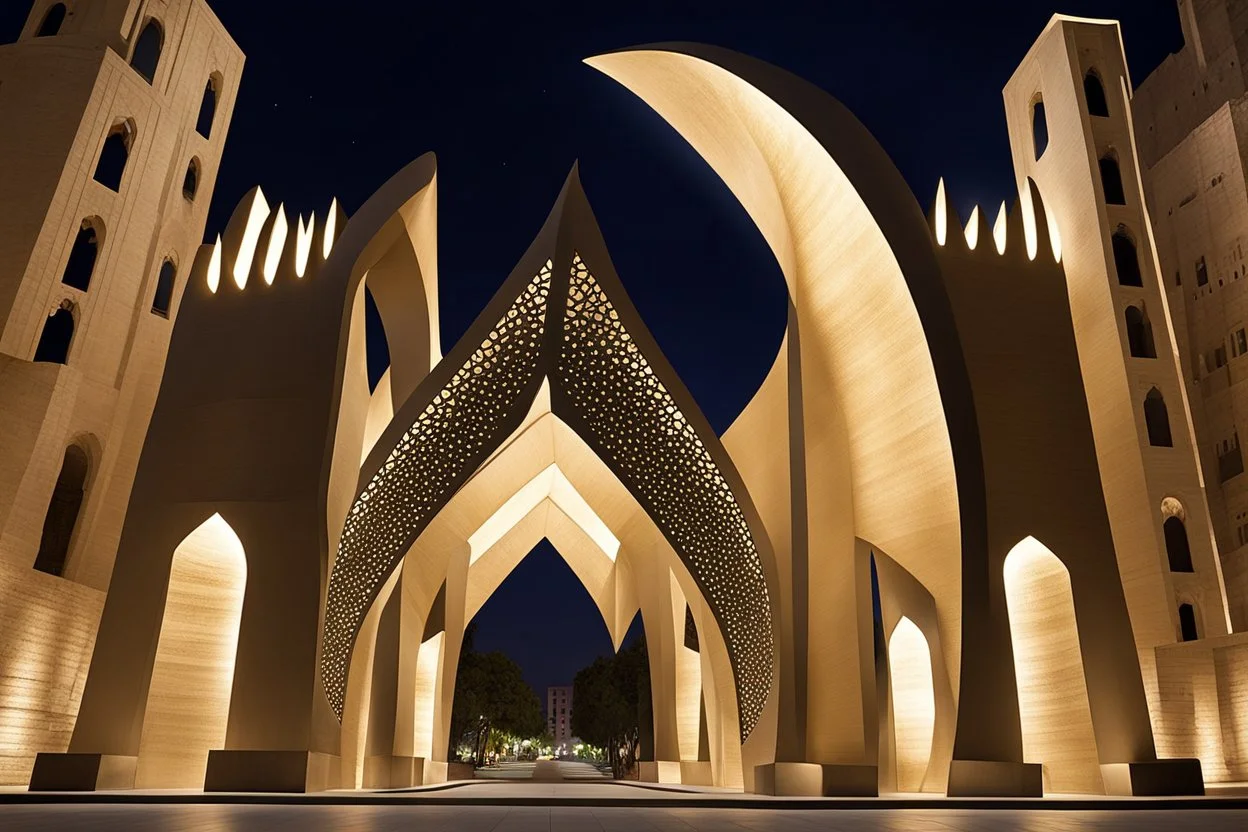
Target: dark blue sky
x,y
337,96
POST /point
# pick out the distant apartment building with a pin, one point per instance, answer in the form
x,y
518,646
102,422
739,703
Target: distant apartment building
x,y
559,716
1191,127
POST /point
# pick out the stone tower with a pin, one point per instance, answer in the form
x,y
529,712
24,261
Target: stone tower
x,y
115,114
1069,114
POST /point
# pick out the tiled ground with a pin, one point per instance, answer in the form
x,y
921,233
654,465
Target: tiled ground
x,y
237,818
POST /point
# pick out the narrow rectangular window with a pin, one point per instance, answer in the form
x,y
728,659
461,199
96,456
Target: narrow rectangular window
x,y
1202,272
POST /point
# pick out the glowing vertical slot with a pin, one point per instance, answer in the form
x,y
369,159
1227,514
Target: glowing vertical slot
x,y
972,229
303,245
999,229
214,267
251,238
1031,234
942,214
331,226
914,703
277,243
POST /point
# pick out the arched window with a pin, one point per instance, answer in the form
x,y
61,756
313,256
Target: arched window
x,y
1177,551
62,516
58,332
114,156
1039,128
1187,622
1140,333
1094,94
1111,180
147,49
208,107
1126,261
1158,419
164,289
81,264
52,21
190,183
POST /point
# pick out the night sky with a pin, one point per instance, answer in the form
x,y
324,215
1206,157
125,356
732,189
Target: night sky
x,y
333,103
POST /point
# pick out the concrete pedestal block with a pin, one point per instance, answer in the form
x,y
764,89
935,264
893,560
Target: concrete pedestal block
x,y
82,772
816,780
991,778
271,771
459,771
696,773
659,771
1154,778
386,771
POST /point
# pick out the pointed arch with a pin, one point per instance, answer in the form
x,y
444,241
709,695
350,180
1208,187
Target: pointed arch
x,y
115,155
208,106
913,698
61,520
52,21
57,336
80,267
190,182
1139,333
163,298
1054,710
1094,94
1157,420
1039,128
147,50
484,388
1111,180
188,700
1126,260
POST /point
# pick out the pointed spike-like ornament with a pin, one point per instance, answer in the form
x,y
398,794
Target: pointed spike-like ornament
x,y
999,229
972,229
256,218
214,267
277,243
331,228
303,244
942,213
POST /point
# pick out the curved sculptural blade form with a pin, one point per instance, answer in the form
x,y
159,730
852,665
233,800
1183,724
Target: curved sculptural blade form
x,y
623,408
464,418
609,383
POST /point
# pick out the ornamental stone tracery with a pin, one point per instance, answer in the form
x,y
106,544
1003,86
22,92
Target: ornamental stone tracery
x,y
635,425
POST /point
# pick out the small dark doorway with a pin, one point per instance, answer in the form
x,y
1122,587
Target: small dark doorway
x,y
1126,260
1111,181
114,156
147,48
1094,93
1187,622
1039,129
164,289
190,183
1177,550
52,21
81,263
63,510
58,333
207,110
1157,419
1140,333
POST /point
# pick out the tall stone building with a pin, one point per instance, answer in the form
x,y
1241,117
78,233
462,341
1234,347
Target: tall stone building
x,y
115,115
1191,119
559,716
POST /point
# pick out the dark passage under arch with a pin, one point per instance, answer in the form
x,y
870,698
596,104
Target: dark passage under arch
x,y
147,49
52,21
1178,552
1094,94
1157,418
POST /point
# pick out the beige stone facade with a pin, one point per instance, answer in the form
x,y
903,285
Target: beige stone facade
x,y
986,420
70,98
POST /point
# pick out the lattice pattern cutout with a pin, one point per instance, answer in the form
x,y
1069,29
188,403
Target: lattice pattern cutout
x,y
657,452
462,424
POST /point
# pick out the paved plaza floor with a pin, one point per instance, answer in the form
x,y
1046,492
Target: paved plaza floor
x,y
307,818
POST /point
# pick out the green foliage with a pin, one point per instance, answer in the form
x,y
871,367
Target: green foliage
x,y
612,695
491,696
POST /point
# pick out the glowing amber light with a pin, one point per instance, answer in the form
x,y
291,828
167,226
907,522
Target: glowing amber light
x,y
214,267
942,214
277,243
303,245
972,229
251,238
999,230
